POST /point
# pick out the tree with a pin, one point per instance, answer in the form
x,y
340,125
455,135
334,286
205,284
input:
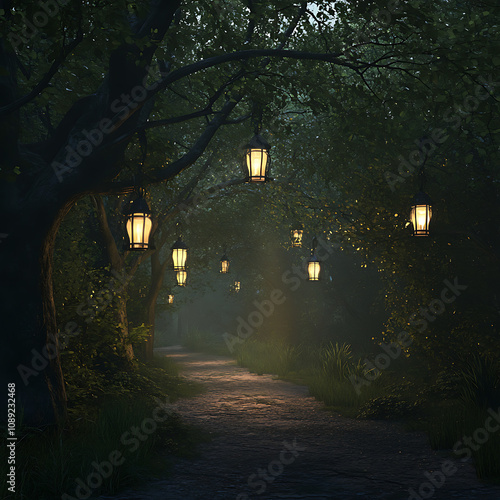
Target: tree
x,y
106,76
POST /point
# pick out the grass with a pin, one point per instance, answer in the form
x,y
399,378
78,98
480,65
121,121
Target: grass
x,y
448,406
128,428
211,343
325,370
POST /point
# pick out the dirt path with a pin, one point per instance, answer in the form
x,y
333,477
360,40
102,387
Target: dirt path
x,y
275,430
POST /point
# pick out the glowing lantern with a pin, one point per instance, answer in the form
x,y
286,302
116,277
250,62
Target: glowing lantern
x,y
297,232
170,299
420,214
138,224
313,268
313,264
224,264
179,255
257,159
181,278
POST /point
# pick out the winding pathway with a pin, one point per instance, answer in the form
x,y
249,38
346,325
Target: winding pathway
x,y
271,440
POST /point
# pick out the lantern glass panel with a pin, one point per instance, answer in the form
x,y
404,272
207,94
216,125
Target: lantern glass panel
x,y
420,218
170,299
313,269
179,256
224,266
138,229
181,278
257,164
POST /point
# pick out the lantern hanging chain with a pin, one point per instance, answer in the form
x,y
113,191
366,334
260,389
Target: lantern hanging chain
x,y
178,227
421,173
422,178
314,245
139,178
257,111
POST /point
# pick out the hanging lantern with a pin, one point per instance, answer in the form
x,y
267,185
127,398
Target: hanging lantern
x,y
237,286
170,299
179,255
313,264
257,159
420,214
181,278
138,224
313,268
224,264
297,232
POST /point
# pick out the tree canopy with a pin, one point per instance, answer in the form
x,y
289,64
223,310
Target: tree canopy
x,y
360,100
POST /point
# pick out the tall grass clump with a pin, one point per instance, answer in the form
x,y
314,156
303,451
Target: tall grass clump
x,y
478,390
100,418
53,461
331,383
274,356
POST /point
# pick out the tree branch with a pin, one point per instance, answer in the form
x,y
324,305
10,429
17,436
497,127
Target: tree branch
x,y
46,78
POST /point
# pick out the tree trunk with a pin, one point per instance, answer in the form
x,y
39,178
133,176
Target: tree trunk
x,y
157,273
30,347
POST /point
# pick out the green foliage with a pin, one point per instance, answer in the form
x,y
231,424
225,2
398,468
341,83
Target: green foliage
x,y
49,461
274,357
480,382
388,407
336,361
452,422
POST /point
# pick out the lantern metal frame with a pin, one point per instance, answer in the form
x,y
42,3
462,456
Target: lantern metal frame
x,y
296,235
257,143
421,199
179,255
138,210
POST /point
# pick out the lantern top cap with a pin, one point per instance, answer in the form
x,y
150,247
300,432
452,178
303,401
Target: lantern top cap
x,y
313,258
179,244
297,226
138,206
224,257
421,198
257,142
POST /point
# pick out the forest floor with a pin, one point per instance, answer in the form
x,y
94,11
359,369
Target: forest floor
x,y
271,440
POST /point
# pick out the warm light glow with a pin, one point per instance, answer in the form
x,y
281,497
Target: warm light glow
x,y
420,218
179,255
313,269
181,278
224,265
170,299
256,163
237,286
138,229
297,238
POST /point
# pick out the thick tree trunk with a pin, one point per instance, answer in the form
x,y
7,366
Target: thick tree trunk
x,y
29,345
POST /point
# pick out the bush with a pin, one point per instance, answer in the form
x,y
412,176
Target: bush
x,y
388,407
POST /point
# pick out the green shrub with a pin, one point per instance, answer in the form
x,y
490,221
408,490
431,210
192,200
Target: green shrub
x,y
388,407
336,361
